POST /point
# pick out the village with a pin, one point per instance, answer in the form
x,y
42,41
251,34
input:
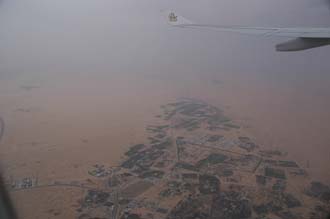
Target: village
x,y
197,163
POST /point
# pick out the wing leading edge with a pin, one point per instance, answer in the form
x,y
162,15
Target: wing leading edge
x,y
306,38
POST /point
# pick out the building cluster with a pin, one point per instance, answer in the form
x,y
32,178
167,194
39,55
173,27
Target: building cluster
x,y
196,163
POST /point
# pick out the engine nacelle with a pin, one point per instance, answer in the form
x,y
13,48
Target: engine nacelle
x,y
302,44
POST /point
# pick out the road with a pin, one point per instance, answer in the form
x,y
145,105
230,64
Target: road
x,y
56,185
2,128
116,205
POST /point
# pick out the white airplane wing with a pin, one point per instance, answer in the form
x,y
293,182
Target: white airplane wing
x,y
306,38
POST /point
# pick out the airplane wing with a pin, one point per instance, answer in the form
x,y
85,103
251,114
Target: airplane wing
x,y
306,38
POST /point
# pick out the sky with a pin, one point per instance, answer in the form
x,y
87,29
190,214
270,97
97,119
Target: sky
x,y
47,37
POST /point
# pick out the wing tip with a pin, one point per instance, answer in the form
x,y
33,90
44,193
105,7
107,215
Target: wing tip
x,y
174,19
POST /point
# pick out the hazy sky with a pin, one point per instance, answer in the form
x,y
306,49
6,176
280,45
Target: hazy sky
x,y
78,36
